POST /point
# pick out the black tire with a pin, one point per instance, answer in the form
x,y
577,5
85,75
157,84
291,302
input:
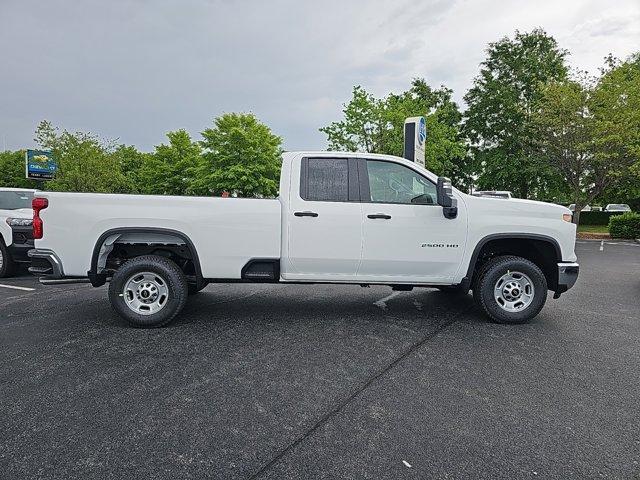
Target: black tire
x,y
490,274
170,277
7,265
194,289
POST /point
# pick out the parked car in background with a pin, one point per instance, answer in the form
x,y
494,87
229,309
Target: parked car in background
x,y
16,237
341,217
617,207
493,193
586,208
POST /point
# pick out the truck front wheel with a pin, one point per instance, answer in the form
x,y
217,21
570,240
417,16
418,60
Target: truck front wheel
x,y
6,262
510,289
148,291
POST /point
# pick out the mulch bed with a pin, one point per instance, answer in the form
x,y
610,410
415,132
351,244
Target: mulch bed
x,y
593,236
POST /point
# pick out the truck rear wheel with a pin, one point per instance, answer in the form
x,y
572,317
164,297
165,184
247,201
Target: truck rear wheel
x,y
148,291
510,289
6,262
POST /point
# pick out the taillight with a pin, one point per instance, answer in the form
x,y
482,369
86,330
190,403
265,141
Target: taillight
x,y
38,204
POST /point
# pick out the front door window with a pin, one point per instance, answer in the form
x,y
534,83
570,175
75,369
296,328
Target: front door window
x,y
394,183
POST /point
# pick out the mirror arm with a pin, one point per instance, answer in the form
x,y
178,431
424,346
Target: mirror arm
x,y
452,211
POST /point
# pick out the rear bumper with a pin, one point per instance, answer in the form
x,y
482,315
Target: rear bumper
x,y
567,275
45,263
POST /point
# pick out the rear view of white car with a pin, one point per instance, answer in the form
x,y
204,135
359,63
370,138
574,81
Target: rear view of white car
x,y
493,194
15,228
617,207
586,208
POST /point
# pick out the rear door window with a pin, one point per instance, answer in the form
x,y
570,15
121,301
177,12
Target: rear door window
x,y
328,180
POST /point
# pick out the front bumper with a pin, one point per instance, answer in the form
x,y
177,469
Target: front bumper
x,y
567,276
22,242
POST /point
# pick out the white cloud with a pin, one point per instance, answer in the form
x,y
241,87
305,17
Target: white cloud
x,y
135,69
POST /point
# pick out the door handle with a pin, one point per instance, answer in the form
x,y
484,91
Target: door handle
x,y
305,214
379,215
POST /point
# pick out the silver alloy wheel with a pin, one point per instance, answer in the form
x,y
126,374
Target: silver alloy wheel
x,y
514,291
1,260
146,293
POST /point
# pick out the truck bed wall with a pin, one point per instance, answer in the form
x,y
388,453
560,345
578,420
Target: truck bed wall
x,y
227,232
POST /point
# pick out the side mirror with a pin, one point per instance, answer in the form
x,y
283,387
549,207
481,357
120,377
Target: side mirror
x,y
446,199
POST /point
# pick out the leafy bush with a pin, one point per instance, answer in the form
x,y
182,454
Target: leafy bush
x,y
626,225
596,218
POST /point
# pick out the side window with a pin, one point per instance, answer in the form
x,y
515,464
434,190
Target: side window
x,y
394,183
325,179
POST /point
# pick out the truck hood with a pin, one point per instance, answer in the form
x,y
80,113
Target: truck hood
x,y
18,213
518,206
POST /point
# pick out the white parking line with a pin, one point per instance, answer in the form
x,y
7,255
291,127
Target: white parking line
x,y
602,245
14,287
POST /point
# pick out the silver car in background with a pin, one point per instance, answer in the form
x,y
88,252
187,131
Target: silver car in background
x,y
617,207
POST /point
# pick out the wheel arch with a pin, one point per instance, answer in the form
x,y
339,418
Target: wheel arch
x,y
534,247
98,278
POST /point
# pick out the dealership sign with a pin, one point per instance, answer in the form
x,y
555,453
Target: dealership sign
x,y
40,165
415,136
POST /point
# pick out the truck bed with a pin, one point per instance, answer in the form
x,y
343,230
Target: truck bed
x,y
227,232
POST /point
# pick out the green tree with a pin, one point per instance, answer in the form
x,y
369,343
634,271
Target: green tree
x,y
241,156
501,102
615,105
131,161
85,163
363,128
377,126
171,169
12,170
589,133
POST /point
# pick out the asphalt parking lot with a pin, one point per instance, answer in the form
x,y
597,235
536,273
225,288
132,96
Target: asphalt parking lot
x,y
279,381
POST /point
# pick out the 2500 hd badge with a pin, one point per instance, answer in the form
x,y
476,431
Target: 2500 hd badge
x,y
439,245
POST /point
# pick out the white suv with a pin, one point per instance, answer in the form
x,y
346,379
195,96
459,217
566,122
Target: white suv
x,y
16,237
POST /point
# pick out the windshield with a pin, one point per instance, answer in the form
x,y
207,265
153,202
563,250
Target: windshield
x,y
15,200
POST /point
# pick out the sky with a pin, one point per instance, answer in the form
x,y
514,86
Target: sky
x,y
133,70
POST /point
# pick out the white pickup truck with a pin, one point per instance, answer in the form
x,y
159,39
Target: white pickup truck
x,y
343,218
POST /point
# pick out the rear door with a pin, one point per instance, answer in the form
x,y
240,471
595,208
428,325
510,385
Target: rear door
x,y
406,237
324,220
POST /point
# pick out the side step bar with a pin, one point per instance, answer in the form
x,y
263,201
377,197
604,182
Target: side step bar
x,y
62,281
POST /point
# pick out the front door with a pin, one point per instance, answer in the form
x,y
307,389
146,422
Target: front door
x,y
324,221
406,238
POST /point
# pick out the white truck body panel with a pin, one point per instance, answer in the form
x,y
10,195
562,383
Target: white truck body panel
x,y
398,250
227,232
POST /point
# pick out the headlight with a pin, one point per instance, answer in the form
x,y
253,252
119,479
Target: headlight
x,y
567,217
19,222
